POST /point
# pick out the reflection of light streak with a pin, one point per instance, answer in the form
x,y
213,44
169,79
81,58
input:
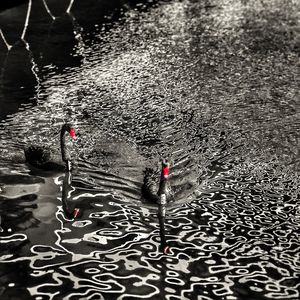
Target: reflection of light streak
x,y
33,69
34,66
27,19
48,10
5,41
77,29
70,6
58,233
103,194
9,47
13,238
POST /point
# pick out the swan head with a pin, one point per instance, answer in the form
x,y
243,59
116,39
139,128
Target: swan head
x,y
65,155
70,129
164,175
165,169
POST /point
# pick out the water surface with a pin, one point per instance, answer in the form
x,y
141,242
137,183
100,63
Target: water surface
x,y
213,86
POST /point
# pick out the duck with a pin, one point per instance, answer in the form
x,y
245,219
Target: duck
x,y
160,195
42,158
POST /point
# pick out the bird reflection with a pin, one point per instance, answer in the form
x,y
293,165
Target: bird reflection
x,y
162,201
165,248
159,194
70,209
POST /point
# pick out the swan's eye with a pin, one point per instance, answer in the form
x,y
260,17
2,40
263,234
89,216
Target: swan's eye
x,y
72,133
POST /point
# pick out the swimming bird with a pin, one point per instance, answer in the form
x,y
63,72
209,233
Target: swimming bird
x,y
160,195
43,158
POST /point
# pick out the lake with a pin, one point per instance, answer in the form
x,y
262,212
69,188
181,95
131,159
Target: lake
x,y
213,86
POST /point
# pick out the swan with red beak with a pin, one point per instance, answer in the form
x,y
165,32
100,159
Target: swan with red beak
x,y
160,196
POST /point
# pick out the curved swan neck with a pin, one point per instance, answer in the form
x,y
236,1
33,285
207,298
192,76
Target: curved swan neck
x,y
63,143
64,155
162,190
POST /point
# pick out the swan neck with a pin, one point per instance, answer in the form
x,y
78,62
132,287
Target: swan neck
x,y
63,144
66,193
162,186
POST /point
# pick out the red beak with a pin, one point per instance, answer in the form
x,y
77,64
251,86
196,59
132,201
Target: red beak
x,y
166,171
75,212
72,133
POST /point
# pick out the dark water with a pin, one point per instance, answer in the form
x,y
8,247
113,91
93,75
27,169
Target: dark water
x,y
214,86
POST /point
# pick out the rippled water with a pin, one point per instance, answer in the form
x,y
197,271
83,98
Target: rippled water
x,y
213,86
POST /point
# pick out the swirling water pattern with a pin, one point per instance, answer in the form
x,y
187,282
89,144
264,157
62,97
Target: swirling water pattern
x,y
198,82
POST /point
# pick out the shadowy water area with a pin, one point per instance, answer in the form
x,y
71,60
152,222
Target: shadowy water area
x,y
211,85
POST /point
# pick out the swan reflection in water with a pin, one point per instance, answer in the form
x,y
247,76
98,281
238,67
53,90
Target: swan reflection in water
x,y
160,196
70,208
74,209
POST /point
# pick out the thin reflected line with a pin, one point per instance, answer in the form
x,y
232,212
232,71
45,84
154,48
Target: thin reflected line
x,y
33,69
26,20
4,40
70,6
34,66
77,29
48,10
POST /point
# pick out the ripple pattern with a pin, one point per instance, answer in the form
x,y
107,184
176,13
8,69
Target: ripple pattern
x,y
198,82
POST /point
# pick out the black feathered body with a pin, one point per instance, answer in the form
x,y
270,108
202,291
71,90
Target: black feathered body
x,y
43,158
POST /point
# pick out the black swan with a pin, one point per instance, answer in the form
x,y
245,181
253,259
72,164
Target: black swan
x,y
160,195
151,189
43,158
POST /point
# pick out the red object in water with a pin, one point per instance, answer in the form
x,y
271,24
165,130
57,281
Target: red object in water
x,y
72,133
167,250
75,212
166,171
